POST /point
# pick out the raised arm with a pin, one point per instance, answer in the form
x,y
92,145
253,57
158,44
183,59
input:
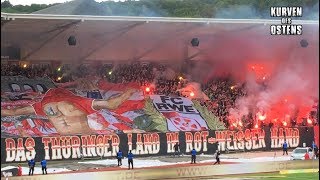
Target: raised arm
x,y
27,110
114,102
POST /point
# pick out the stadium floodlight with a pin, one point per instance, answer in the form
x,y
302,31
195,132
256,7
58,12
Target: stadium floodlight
x,y
72,41
195,42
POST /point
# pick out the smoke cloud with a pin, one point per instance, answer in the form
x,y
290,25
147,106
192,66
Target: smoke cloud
x,y
282,78
238,12
195,88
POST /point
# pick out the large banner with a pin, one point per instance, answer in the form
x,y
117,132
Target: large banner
x,y
62,112
179,113
106,146
81,107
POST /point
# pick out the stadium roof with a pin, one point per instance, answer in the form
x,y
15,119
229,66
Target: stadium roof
x,y
75,7
44,37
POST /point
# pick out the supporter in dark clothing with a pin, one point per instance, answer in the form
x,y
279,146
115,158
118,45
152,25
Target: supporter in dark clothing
x,y
176,149
119,157
31,164
285,148
217,154
44,166
130,159
193,156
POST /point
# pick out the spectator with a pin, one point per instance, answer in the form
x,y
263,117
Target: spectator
x,y
19,170
176,149
306,156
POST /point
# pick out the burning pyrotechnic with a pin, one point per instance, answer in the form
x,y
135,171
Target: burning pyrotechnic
x,y
147,89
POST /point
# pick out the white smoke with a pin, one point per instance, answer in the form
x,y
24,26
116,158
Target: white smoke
x,y
195,88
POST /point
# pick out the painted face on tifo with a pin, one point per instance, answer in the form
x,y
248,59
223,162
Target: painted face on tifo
x,y
67,118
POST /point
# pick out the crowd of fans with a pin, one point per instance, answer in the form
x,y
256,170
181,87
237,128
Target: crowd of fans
x,y
24,70
222,92
168,87
144,74
124,73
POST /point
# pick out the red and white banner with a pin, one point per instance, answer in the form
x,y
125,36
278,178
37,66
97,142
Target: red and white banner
x,y
41,119
180,113
61,112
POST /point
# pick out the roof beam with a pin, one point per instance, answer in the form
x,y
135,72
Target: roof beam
x,y
121,33
67,26
177,33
